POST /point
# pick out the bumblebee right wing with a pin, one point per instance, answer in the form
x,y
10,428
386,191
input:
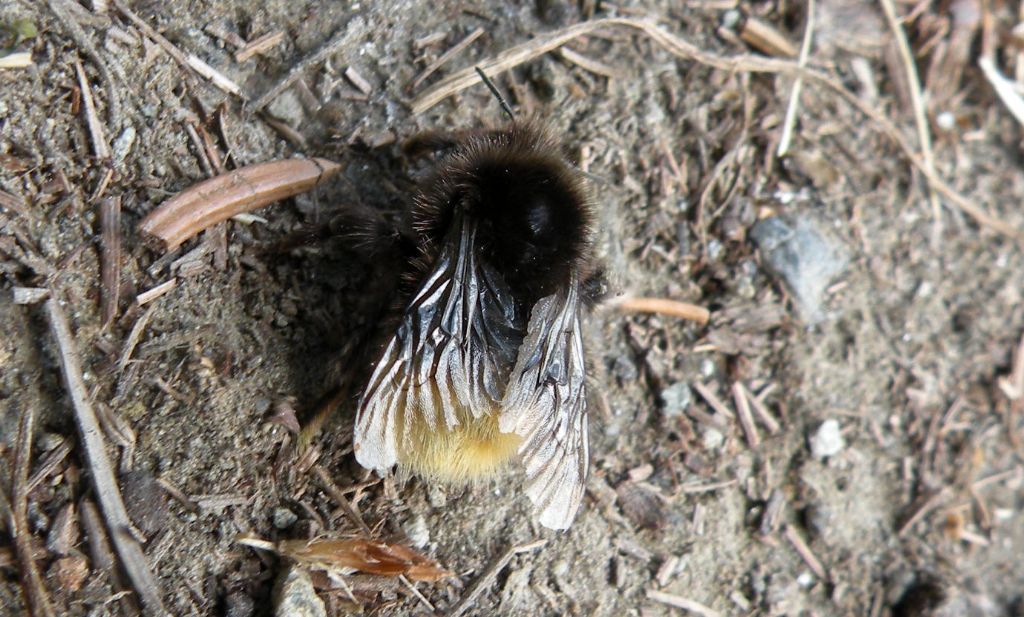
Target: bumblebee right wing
x,y
451,351
546,404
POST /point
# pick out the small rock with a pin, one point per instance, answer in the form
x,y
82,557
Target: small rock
x,y
284,518
675,399
123,144
64,532
437,496
641,506
827,440
287,108
712,439
296,597
417,532
145,501
800,254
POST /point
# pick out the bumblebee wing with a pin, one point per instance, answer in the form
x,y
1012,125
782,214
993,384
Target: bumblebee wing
x,y
452,350
546,404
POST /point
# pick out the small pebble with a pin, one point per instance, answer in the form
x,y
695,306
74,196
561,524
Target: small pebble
x,y
712,439
827,440
296,597
675,399
284,518
145,501
417,532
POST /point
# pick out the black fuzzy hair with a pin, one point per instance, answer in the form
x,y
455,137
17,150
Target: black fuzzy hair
x,y
529,205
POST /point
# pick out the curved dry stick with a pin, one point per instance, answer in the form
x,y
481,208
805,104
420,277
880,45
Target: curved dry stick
x,y
245,189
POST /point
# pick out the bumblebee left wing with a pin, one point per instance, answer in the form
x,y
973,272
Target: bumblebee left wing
x,y
546,404
448,359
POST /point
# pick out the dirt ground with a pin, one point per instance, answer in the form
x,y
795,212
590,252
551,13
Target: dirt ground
x,y
915,507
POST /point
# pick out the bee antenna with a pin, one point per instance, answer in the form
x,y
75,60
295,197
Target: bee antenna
x,y
494,90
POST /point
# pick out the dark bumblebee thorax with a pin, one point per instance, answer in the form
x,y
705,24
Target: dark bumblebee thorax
x,y
525,202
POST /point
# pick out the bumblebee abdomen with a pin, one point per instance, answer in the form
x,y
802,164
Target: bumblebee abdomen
x,y
472,450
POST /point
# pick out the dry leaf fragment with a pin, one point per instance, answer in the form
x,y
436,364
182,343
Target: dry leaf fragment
x,y
356,554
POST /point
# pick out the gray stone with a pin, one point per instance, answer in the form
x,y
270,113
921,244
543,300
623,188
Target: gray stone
x,y
806,259
296,597
675,399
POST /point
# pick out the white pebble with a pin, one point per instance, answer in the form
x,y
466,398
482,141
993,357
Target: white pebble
x,y
827,440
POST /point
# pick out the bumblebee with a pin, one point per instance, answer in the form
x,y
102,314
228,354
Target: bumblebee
x,y
485,363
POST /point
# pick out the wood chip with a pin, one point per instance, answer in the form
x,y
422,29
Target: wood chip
x,y
358,81
110,257
96,134
260,45
765,38
152,294
746,419
30,295
16,60
17,204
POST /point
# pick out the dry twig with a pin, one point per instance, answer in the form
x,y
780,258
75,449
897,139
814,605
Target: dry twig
x,y
84,43
798,82
712,400
101,471
258,46
921,508
664,306
805,552
916,101
743,411
481,584
36,598
152,294
588,63
680,602
99,140
445,58
326,50
1006,90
